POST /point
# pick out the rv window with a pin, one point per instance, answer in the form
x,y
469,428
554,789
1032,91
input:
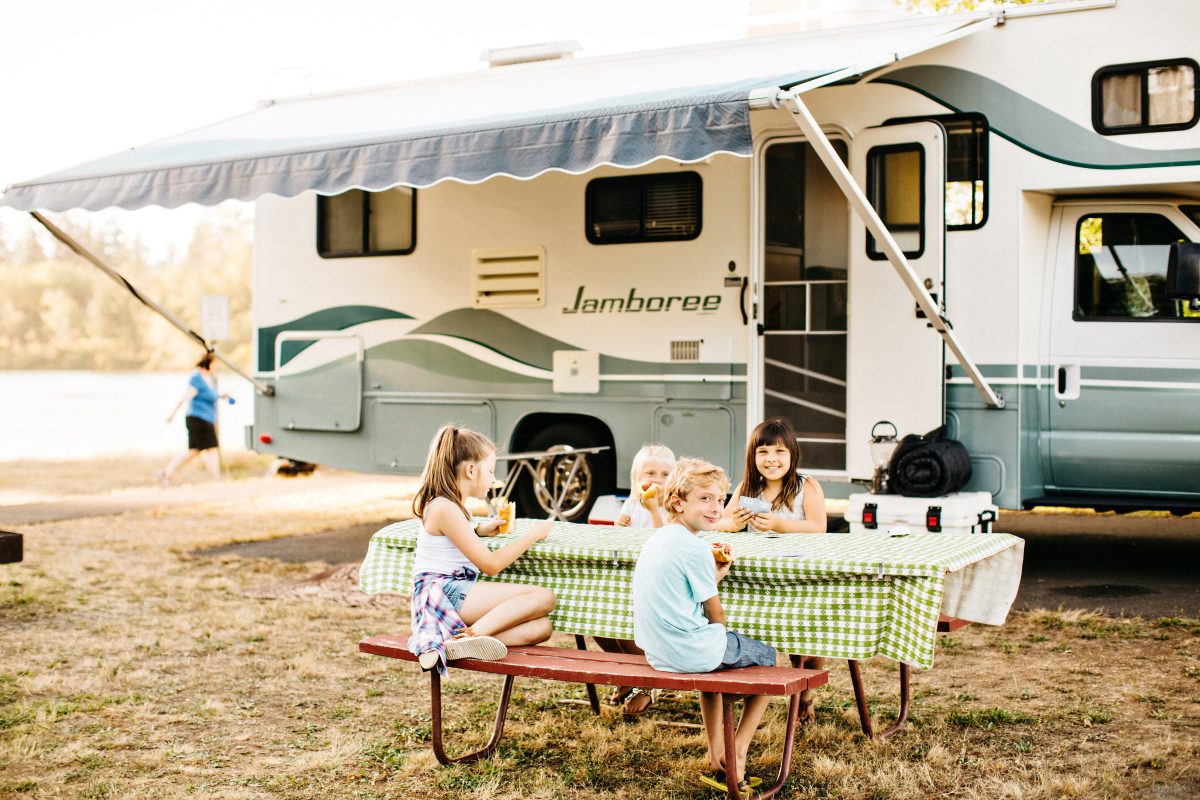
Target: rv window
x,y
1150,96
896,187
966,167
361,223
643,208
966,171
1121,268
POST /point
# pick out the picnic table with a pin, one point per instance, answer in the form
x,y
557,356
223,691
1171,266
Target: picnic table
x,y
834,595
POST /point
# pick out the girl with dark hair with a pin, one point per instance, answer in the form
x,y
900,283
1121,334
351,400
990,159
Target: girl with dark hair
x,y
201,419
797,505
796,500
453,615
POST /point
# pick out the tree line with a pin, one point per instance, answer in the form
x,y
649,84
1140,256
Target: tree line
x,y
58,311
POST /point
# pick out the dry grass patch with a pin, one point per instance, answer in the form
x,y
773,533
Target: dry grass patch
x,y
132,668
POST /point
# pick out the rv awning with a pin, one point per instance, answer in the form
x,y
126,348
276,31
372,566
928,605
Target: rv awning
x,y
683,104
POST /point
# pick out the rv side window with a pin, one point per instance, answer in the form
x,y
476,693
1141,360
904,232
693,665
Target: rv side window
x,y
361,223
643,208
1193,213
1121,268
896,187
1150,96
966,171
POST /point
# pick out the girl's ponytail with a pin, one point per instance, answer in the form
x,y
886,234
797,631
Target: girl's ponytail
x,y
450,448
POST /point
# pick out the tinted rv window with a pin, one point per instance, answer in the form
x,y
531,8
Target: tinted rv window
x,y
1150,96
1121,268
966,170
643,208
896,187
361,223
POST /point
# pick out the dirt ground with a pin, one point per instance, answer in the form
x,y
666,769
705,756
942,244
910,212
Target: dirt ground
x,y
131,667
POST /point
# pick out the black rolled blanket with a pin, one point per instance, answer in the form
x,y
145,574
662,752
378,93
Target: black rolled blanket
x,y
929,465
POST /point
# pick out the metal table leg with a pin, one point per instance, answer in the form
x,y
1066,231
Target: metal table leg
x,y
435,691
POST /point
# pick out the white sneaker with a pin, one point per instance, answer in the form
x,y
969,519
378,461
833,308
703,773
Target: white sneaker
x,y
428,660
483,648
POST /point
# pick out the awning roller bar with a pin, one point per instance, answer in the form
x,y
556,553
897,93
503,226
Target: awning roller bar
x,y
82,252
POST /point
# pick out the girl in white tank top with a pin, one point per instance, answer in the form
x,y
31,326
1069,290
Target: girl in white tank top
x,y
452,615
797,505
797,502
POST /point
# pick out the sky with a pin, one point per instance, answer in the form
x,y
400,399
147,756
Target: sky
x,y
84,79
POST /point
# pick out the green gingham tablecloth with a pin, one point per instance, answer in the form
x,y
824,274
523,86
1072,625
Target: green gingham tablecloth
x,y
834,595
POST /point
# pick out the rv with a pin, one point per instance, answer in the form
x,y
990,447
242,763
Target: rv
x,y
979,220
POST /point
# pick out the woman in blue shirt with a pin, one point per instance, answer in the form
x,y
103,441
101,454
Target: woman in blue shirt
x,y
201,418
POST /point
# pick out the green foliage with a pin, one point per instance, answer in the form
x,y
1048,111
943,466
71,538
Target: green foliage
x,y
987,718
59,312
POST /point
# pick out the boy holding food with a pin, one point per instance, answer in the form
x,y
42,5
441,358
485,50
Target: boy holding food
x,y
677,615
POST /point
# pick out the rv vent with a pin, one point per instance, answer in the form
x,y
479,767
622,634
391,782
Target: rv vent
x,y
528,53
685,349
506,278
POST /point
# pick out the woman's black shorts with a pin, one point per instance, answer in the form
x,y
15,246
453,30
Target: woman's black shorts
x,y
201,434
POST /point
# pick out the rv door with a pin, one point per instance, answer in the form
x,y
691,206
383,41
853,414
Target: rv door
x,y
896,362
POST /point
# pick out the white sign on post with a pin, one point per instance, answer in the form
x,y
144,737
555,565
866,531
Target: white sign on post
x,y
214,317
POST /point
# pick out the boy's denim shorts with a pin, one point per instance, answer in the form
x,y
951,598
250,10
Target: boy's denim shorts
x,y
743,651
456,588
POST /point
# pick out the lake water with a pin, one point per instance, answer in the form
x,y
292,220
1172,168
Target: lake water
x,y
66,415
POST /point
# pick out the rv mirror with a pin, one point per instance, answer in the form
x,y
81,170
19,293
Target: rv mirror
x,y
1183,270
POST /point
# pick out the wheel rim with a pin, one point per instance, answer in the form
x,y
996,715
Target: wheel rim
x,y
554,472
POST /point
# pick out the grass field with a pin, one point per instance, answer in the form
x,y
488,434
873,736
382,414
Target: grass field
x,y
132,668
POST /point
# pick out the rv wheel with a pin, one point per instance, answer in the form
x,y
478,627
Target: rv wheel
x,y
579,480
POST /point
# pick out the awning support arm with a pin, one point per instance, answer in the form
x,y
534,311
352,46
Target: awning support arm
x,y
58,233
866,212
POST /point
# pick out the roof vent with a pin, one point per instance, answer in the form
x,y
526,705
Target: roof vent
x,y
527,53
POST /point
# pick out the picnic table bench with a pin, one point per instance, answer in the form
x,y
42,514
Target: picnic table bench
x,y
615,669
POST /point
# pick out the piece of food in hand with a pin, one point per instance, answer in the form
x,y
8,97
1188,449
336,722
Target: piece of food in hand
x,y
723,553
649,490
508,519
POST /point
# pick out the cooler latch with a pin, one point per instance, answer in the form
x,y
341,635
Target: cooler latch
x,y
933,519
870,516
986,518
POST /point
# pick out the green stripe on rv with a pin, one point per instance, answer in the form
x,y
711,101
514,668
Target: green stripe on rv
x,y
1031,125
521,343
1141,374
327,319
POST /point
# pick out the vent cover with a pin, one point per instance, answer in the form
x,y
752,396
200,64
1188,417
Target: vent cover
x,y
685,349
508,278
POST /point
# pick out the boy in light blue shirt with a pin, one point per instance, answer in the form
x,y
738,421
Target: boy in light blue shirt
x,y
677,615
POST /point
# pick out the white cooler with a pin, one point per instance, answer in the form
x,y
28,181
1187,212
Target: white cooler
x,y
961,512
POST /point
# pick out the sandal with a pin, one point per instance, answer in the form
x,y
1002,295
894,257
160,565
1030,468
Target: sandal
x,y
720,776
619,695
628,708
716,780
